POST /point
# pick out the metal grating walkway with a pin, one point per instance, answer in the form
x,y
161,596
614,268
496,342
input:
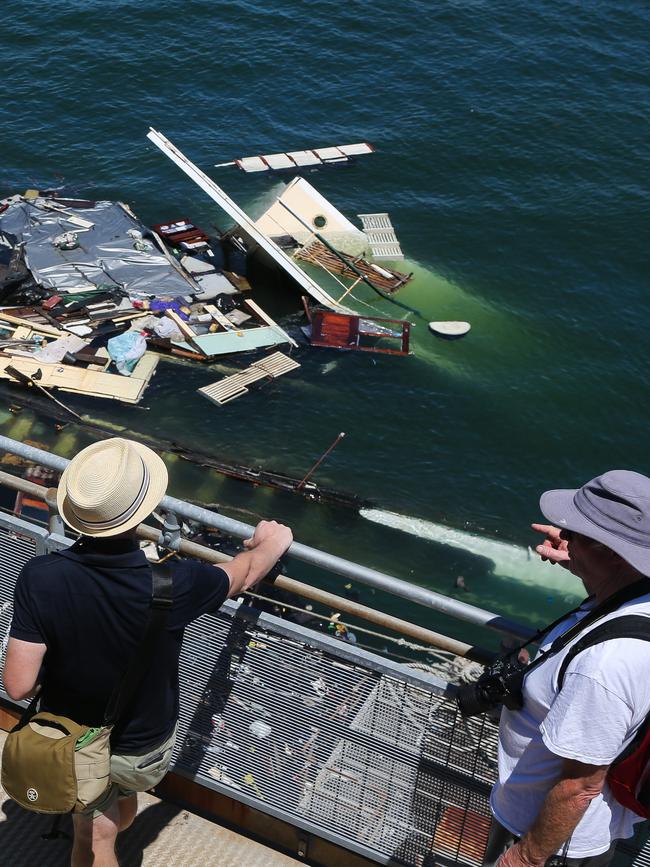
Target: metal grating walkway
x,y
163,835
281,719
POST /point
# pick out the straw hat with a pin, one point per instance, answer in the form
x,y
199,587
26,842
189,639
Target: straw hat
x,y
110,487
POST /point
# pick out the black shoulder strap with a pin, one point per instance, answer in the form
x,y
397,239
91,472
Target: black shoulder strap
x,y
161,601
626,626
632,591
612,603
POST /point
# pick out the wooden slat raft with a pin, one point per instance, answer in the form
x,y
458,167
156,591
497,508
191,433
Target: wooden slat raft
x,y
233,386
383,278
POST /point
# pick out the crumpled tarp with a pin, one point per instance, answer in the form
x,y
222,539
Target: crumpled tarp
x,y
106,255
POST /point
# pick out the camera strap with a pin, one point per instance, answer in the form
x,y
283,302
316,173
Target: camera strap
x,y
612,603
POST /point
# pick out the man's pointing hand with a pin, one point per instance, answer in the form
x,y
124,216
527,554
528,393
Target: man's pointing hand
x,y
554,548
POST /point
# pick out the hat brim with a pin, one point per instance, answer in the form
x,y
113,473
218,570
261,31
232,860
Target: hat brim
x,y
559,508
158,479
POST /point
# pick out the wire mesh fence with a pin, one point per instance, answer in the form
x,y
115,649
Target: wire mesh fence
x,y
349,748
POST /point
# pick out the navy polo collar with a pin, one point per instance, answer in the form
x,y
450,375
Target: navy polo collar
x,y
116,553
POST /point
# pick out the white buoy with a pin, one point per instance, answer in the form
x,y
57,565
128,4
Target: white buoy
x,y
450,330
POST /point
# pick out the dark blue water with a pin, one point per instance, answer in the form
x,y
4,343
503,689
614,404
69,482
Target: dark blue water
x,y
512,156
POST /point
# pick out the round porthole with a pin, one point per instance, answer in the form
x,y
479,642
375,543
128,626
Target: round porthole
x,y
320,221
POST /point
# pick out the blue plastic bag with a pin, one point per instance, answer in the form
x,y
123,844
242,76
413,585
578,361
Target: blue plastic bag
x,y
126,349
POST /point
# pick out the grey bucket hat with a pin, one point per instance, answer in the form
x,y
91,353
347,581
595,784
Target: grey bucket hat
x,y
613,509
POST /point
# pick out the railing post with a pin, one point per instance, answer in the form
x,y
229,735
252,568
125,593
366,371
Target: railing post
x,y
170,535
54,521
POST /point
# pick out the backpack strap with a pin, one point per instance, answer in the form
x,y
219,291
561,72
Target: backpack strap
x,y
627,626
627,772
161,602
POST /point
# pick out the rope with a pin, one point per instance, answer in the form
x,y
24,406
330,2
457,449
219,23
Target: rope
x,y
402,642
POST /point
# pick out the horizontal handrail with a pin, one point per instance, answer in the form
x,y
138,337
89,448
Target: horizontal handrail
x,y
314,556
283,582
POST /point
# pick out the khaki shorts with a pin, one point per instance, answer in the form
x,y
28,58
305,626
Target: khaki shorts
x,y
131,774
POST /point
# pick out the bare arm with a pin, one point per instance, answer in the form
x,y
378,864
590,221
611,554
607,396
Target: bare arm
x,y
563,808
267,544
22,666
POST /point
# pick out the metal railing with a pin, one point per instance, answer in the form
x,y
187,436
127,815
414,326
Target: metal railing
x,y
338,565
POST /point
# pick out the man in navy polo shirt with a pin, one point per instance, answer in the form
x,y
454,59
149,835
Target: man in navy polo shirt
x,y
79,614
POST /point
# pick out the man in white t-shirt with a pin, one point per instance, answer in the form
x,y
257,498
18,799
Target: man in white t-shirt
x,y
551,803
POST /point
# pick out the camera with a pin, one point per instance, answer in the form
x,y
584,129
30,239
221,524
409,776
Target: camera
x,y
500,683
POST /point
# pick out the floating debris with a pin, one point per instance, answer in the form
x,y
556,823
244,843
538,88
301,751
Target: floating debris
x,y
208,333
114,281
339,331
354,268
82,380
235,385
295,161
449,330
381,236
245,225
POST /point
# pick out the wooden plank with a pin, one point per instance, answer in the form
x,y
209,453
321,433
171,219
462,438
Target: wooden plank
x,y
175,263
233,396
181,324
92,359
218,316
240,283
145,367
102,353
35,326
186,331
81,380
67,377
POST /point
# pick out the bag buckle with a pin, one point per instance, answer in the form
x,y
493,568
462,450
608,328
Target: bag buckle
x,y
161,603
